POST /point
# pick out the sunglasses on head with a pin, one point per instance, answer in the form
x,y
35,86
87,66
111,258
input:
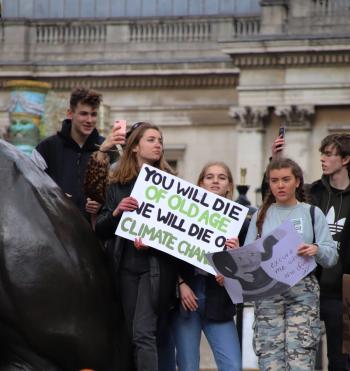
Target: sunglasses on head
x,y
134,127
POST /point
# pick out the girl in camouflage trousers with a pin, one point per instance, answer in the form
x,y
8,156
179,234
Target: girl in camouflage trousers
x,y
287,326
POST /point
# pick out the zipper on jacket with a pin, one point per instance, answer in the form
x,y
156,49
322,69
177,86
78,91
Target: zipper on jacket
x,y
78,164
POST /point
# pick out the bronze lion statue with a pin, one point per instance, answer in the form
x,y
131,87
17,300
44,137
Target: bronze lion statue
x,y
56,296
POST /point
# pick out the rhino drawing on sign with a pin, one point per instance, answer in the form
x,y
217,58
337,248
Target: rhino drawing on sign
x,y
247,270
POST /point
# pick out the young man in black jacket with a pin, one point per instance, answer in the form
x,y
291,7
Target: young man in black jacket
x,y
331,194
64,156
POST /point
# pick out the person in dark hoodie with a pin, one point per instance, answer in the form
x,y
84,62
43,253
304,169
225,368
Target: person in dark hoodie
x,y
64,156
331,194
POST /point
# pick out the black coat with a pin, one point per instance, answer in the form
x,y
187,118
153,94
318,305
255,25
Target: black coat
x,y
67,162
218,305
163,267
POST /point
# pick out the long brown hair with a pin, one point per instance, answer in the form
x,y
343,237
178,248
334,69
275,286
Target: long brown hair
x,y
280,163
228,173
128,168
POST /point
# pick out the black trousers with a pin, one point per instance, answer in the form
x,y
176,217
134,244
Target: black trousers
x,y
140,318
331,314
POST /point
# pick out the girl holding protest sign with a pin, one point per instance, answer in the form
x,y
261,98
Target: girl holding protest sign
x,y
145,278
204,303
287,326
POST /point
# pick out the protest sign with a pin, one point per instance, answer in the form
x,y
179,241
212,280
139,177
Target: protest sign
x,y
180,218
267,267
346,313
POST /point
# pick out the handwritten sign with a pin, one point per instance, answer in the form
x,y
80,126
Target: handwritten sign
x,y
267,267
180,218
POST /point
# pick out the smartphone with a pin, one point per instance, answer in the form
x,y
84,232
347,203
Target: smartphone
x,y
281,131
121,124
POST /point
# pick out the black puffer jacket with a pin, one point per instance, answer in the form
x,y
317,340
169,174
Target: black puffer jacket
x,y
67,161
163,267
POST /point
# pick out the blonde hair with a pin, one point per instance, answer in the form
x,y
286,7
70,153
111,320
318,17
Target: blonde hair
x,y
228,173
128,167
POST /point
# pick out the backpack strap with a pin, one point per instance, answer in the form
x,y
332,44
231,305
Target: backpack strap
x,y
318,270
312,214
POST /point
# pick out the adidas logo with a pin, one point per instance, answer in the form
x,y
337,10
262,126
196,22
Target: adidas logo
x,y
334,226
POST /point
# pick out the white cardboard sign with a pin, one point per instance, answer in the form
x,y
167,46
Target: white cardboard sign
x,y
179,218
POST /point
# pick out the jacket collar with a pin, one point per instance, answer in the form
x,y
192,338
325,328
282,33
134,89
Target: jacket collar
x,y
324,182
90,143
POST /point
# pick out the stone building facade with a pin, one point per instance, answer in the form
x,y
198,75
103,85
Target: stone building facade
x,y
218,77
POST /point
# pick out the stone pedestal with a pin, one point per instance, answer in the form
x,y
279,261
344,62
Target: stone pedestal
x,y
242,195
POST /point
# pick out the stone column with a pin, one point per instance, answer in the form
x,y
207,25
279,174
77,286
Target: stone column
x,y
26,111
250,144
274,14
300,8
297,119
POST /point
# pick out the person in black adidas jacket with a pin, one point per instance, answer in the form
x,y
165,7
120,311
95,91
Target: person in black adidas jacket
x,y
331,194
64,156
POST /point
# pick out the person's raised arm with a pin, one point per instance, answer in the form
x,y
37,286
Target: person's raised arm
x,y
277,147
116,136
276,150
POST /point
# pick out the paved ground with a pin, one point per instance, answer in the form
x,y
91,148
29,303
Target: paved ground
x,y
207,359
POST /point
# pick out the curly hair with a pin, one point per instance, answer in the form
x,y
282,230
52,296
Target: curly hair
x,y
84,96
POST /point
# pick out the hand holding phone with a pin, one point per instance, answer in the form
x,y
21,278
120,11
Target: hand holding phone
x,y
278,144
281,132
115,138
120,126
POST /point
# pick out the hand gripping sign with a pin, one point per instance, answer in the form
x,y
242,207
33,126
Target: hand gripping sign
x,y
268,266
179,218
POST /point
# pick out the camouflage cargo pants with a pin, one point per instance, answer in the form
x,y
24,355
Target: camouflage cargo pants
x,y
287,328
